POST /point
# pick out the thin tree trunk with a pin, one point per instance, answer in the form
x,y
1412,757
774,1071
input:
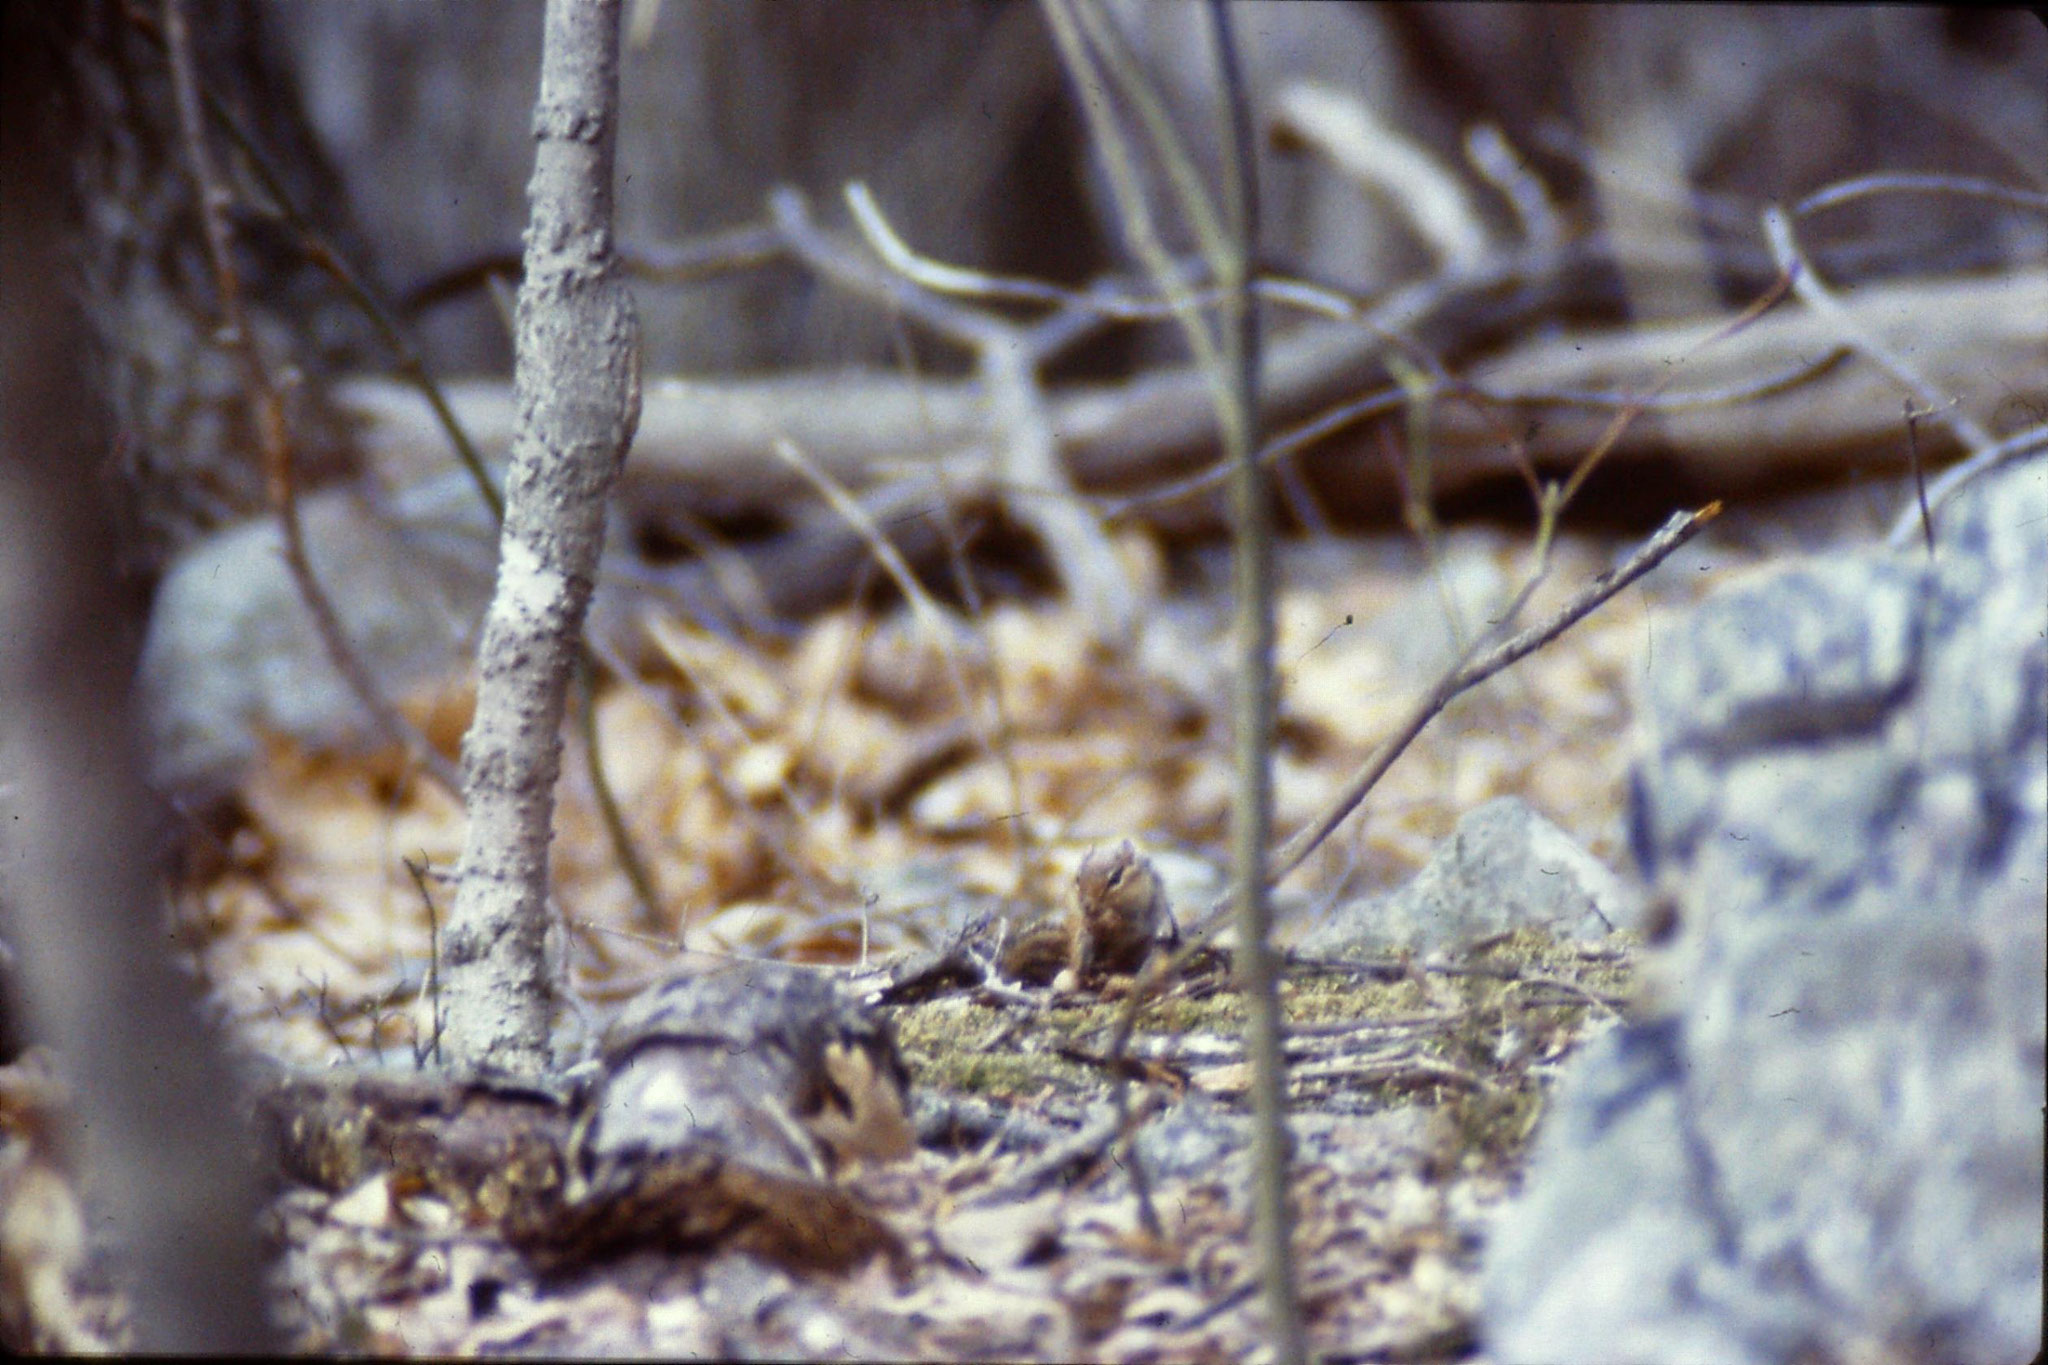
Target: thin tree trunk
x,y
578,394
1251,805
81,908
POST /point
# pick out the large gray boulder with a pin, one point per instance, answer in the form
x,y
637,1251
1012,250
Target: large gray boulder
x,y
1822,1139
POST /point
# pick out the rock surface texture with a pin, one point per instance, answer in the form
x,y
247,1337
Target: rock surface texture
x,y
1504,867
1822,1140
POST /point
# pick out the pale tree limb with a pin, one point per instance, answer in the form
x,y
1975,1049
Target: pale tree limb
x,y
1815,294
1375,155
577,377
1899,182
702,442
1023,448
1496,159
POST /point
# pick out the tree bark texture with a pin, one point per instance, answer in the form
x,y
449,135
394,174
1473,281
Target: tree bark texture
x,y
578,397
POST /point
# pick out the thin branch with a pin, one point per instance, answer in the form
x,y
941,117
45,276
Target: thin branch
x,y
267,409
937,276
824,255
1107,299
1067,18
1816,295
1251,825
645,893
1913,416
431,988
737,249
1018,415
922,607
1495,158
1476,668
1372,153
2021,444
322,254
1902,182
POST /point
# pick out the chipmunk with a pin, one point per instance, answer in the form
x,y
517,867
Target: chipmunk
x,y
1120,912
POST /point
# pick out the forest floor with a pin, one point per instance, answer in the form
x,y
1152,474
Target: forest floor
x,y
855,790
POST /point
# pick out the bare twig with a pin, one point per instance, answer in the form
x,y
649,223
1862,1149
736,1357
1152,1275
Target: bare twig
x,y
937,276
988,732
1476,668
1815,294
1018,418
757,244
1373,153
638,876
267,408
431,988
1903,182
1913,416
322,254
2019,445
1068,19
1494,157
1251,825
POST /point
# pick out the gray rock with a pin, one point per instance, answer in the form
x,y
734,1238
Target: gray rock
x,y
1504,867
1192,1138
1825,1141
1458,598
232,653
